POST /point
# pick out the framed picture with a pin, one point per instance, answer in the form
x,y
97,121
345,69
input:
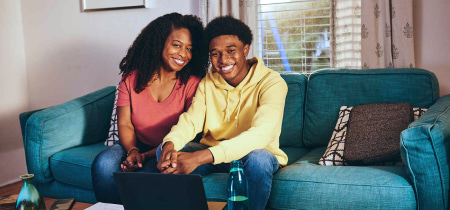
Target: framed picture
x,y
97,5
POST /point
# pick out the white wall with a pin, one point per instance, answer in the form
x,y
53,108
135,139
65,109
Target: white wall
x,y
71,53
50,53
431,39
13,91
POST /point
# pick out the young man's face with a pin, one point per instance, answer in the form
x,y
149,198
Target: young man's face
x,y
228,58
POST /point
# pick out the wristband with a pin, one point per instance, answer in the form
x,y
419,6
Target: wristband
x,y
131,149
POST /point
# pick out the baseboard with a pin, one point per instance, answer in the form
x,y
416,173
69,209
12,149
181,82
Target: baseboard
x,y
10,182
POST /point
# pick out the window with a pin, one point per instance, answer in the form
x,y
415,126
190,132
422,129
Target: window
x,y
297,35
294,35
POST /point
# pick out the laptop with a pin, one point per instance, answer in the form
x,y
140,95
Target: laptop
x,y
161,191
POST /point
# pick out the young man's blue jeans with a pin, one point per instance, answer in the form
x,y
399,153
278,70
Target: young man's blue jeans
x,y
259,167
108,162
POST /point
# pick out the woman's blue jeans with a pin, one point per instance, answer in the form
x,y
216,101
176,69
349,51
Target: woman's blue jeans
x,y
259,167
108,162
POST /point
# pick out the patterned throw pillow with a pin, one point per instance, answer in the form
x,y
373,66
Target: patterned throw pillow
x,y
334,155
113,134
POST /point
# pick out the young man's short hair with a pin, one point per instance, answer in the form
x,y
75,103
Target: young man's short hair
x,y
228,25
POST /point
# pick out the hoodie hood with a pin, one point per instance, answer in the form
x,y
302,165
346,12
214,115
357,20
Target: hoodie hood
x,y
256,72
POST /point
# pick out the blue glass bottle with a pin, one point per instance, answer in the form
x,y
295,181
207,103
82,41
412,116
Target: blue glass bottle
x,y
29,198
237,187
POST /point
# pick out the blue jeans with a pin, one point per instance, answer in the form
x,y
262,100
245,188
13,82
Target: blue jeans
x,y
259,167
108,162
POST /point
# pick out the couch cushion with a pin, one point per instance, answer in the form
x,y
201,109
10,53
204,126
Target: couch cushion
x,y
295,153
55,189
73,166
292,127
426,142
307,185
328,90
216,186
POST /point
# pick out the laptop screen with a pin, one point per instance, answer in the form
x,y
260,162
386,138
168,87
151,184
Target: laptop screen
x,y
160,191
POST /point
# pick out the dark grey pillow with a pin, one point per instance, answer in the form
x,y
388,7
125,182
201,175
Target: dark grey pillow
x,y
373,133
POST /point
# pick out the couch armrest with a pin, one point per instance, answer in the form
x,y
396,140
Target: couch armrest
x,y
424,148
81,121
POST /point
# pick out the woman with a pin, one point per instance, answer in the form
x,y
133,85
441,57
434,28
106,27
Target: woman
x,y
160,75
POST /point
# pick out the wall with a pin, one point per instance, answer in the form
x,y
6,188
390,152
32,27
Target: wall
x,y
431,39
13,91
71,53
50,53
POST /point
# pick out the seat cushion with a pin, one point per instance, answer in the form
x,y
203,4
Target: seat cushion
x,y
73,166
216,186
307,185
57,190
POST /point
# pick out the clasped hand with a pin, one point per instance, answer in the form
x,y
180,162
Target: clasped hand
x,y
174,162
133,161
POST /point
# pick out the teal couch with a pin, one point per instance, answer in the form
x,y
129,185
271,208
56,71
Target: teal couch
x,y
62,141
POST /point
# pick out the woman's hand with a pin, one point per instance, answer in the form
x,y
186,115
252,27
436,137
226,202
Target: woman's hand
x,y
133,161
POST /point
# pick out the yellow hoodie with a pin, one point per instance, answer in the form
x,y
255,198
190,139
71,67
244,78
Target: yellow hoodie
x,y
235,120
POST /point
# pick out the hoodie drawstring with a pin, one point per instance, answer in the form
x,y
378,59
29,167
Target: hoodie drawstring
x,y
239,109
227,114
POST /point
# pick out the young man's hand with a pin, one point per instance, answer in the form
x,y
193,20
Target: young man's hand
x,y
167,163
189,161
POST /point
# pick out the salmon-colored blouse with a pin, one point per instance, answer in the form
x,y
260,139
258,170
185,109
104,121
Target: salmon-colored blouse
x,y
152,120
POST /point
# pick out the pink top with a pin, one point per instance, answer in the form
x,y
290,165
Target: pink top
x,y
152,120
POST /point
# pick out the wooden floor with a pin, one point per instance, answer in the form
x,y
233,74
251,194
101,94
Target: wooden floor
x,y
11,189
15,189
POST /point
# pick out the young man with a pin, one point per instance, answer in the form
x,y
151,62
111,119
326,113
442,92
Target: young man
x,y
239,107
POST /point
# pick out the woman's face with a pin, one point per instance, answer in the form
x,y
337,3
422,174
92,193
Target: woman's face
x,y
177,50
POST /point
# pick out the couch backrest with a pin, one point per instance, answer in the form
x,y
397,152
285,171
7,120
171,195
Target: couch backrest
x,y
330,89
292,127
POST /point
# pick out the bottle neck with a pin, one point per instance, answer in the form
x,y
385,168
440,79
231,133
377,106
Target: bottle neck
x,y
236,165
27,180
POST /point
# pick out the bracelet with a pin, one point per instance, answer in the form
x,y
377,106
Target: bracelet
x,y
132,148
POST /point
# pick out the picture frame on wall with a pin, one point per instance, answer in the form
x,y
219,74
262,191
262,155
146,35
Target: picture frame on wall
x,y
98,5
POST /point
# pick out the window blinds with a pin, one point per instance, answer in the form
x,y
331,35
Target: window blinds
x,y
294,35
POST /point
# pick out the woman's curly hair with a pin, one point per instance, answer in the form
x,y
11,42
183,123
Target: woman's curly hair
x,y
145,55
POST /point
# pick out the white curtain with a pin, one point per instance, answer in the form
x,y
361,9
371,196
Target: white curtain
x,y
387,34
346,34
245,10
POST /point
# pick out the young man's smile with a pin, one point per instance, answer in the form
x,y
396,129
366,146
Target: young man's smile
x,y
227,68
